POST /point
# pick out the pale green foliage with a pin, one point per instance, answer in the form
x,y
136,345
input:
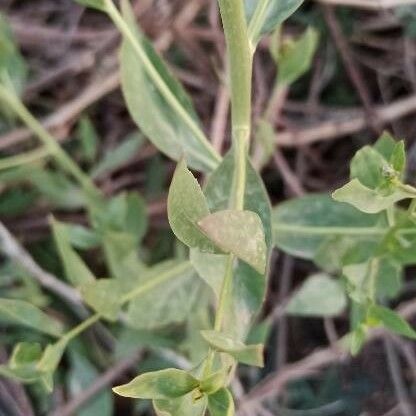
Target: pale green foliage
x,y
221,403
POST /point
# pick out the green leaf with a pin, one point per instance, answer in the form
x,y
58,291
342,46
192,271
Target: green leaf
x,y
104,297
246,354
22,364
95,4
392,321
295,57
221,403
240,233
76,270
367,166
166,294
87,135
161,385
186,206
319,295
182,406
249,286
385,145
215,381
158,103
19,312
79,236
398,157
302,225
115,158
80,376
266,15
368,200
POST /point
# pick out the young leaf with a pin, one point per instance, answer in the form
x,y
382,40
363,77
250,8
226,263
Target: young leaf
x,y
88,138
215,381
186,206
182,406
19,312
392,321
76,270
246,354
22,364
161,385
368,200
79,236
104,297
301,226
159,104
240,233
295,57
319,296
221,403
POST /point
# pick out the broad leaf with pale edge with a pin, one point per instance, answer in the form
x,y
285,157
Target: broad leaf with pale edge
x,y
246,354
158,103
369,200
159,385
104,297
392,321
301,226
75,269
249,286
295,57
221,403
319,296
182,406
186,206
19,312
240,233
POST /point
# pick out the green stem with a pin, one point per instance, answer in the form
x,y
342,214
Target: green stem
x,y
48,141
24,158
74,332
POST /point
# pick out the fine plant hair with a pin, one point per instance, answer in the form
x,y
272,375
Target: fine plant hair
x,y
361,237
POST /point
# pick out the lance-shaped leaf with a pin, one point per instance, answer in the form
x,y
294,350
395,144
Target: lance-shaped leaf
x,y
319,296
265,15
104,297
165,384
221,403
295,57
240,233
302,225
246,354
75,269
19,312
392,321
369,200
158,103
182,406
186,206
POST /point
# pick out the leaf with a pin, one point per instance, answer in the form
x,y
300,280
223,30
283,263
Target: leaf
x,y
295,57
79,236
302,225
367,166
368,200
164,384
240,233
266,15
158,103
168,292
76,270
319,296
221,403
246,354
22,364
182,406
392,321
80,376
117,157
95,4
215,381
19,312
186,206
88,138
104,297
248,289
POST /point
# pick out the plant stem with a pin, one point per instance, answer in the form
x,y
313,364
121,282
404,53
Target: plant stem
x,y
24,158
257,21
48,141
